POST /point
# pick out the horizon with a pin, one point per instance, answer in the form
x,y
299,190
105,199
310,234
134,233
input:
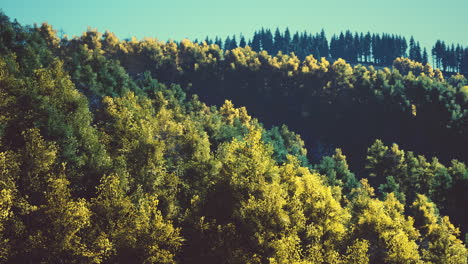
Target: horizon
x,y
170,21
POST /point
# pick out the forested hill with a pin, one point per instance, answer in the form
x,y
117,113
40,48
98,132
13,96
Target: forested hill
x,y
358,47
102,163
421,110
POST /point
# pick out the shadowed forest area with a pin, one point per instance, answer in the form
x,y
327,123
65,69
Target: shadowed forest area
x,y
272,150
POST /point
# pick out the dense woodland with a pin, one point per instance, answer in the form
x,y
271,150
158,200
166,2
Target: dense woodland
x,y
357,47
108,155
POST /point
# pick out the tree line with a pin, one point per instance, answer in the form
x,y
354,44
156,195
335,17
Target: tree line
x,y
357,47
450,58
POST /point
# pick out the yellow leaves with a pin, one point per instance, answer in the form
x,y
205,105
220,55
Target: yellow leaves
x,y
310,63
429,71
240,57
59,91
148,140
109,188
110,38
266,213
102,249
60,205
244,117
413,109
157,238
340,157
324,65
439,233
401,249
247,164
387,227
137,228
66,218
375,154
286,250
357,252
39,154
6,201
92,38
342,76
341,66
108,102
186,44
397,154
320,206
132,115
292,64
275,63
230,113
405,65
49,34
198,143
425,214
305,69
464,93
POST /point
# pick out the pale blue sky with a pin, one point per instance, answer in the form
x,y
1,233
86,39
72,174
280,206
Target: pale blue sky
x,y
426,20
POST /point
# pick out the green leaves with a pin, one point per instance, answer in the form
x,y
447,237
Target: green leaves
x,y
135,231
132,171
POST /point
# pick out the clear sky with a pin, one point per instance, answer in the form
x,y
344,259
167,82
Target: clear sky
x,y
426,20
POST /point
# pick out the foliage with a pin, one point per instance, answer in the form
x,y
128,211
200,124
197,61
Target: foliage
x,y
98,165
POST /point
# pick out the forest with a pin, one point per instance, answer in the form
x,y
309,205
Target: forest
x,y
358,47
143,151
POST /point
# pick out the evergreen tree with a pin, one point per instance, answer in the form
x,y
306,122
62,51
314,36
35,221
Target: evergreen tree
x,y
227,43
425,57
233,43
286,47
242,42
256,42
278,42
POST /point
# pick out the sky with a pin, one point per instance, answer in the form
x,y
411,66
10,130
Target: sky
x,y
426,20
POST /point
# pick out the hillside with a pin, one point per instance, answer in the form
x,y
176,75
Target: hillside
x,y
108,155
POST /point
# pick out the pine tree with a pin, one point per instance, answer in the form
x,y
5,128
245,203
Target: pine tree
x,y
242,42
233,43
256,44
227,43
286,41
278,42
425,57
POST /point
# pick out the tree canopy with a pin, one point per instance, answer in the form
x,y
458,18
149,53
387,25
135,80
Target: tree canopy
x,y
102,163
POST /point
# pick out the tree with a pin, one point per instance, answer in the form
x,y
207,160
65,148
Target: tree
x,y
242,42
227,43
286,41
337,171
256,44
278,42
233,43
134,232
424,57
438,233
